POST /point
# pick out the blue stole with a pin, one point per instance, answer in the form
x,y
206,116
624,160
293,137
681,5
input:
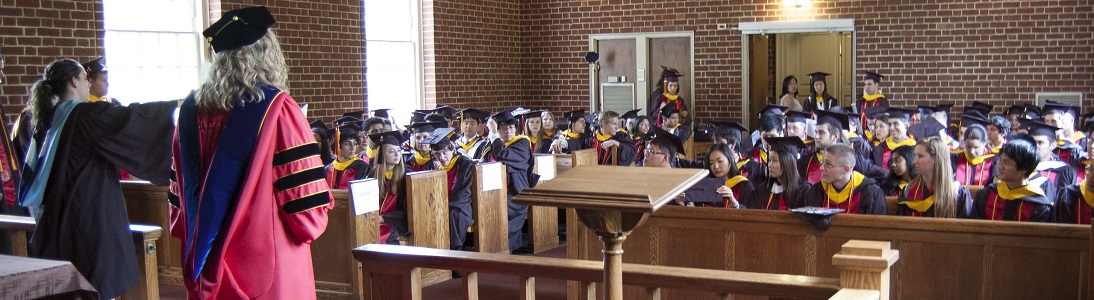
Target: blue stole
x,y
36,169
210,201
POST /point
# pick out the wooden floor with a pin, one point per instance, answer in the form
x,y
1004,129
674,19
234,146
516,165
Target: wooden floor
x,y
490,286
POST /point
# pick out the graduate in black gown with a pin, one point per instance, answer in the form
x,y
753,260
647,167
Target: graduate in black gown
x,y
613,146
71,181
666,94
459,170
1019,193
785,188
819,99
515,153
1058,172
573,138
843,187
934,193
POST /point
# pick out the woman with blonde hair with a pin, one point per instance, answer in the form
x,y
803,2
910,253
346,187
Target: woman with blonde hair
x,y
934,193
390,172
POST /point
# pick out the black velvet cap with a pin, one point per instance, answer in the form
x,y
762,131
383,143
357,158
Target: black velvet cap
x,y
670,74
238,28
794,116
875,111
900,113
1060,108
630,114
446,111
474,113
381,113
1016,109
668,110
1042,129
574,115
441,134
792,144
669,138
970,119
984,106
95,66
773,109
424,126
817,76
729,126
504,118
840,119
394,138
874,76
318,124
347,120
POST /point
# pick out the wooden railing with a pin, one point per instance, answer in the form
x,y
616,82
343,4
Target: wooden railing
x,y
144,239
394,272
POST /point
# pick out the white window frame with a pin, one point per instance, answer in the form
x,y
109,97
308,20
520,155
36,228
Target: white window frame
x,y
400,116
200,13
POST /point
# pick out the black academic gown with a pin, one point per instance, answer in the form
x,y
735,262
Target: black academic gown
x,y
788,199
866,198
1060,177
625,153
84,218
811,104
988,205
653,105
917,192
862,148
460,177
1072,206
519,162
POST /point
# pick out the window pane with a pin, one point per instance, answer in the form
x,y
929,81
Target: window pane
x,y
152,48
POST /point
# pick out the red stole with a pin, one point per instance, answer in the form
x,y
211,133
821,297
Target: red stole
x,y
776,202
813,170
917,193
970,174
387,206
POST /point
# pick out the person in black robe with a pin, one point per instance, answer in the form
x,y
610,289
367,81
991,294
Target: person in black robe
x,y
321,133
74,191
1015,195
613,146
573,138
934,192
10,177
1075,204
842,187
819,99
515,153
459,170
1058,172
785,188
667,94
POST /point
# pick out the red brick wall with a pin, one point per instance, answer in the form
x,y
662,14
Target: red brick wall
x,y
949,50
474,53
35,33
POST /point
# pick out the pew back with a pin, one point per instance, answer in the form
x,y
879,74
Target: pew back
x,y
427,215
543,220
337,275
490,211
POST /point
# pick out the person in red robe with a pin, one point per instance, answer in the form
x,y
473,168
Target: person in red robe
x,y
667,94
247,208
934,193
1020,193
390,172
871,96
9,175
346,166
1074,205
898,136
613,146
975,164
843,187
459,171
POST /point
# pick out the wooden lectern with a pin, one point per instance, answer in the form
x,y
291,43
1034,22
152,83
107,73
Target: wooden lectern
x,y
612,201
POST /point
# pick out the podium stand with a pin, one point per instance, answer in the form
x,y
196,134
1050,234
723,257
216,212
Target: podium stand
x,y
612,201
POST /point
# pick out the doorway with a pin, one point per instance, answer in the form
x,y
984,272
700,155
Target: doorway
x,y
629,67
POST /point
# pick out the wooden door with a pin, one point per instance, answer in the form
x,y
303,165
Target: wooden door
x,y
760,91
673,52
799,54
618,58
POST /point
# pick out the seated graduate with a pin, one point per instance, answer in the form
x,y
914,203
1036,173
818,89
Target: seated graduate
x,y
975,164
550,127
1073,205
785,188
880,129
934,193
737,189
730,133
1019,193
515,152
451,115
772,110
572,139
613,146
898,136
471,142
321,133
371,125
628,121
670,121
662,150
419,156
1071,144
771,125
863,148
843,187
390,173
346,167
641,133
1058,172
532,127
460,174
901,171
830,127
798,124
998,129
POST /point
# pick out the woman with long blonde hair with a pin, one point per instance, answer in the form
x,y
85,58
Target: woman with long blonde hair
x,y
390,171
934,192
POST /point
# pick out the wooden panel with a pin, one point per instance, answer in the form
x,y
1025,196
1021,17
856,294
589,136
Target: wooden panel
x,y
563,163
1023,272
759,91
144,240
617,58
491,213
147,204
942,269
586,157
427,216
543,220
577,235
337,275
770,253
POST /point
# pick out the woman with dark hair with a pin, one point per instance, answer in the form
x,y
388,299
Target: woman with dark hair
x,y
667,93
934,193
785,188
321,133
901,171
819,99
641,133
70,180
737,190
790,93
975,164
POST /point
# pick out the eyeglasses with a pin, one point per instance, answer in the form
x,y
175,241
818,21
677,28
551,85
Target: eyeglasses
x,y
439,152
648,152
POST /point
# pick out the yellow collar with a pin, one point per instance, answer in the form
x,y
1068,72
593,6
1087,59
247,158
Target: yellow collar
x,y
902,184
869,135
741,164
419,159
601,137
872,97
732,182
920,205
388,174
763,156
671,97
820,157
1074,138
341,166
371,152
515,139
673,127
1005,192
470,143
979,159
893,145
531,139
845,194
451,163
851,135
570,134
94,98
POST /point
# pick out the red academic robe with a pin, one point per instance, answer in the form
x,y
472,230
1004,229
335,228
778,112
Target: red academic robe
x,y
974,170
884,151
1029,203
1074,205
340,178
864,103
262,249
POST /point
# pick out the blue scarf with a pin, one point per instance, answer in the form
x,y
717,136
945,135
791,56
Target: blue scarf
x,y
36,169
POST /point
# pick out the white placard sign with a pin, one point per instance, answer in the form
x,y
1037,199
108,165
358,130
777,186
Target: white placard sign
x,y
546,166
366,195
491,177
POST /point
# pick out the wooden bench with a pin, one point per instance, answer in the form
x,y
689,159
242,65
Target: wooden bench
x,y
392,271
943,258
427,216
574,228
543,220
490,211
144,241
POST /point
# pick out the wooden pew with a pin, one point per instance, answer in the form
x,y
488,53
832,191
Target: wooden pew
x,y
577,235
144,240
427,216
542,220
941,258
563,163
147,204
699,150
491,213
337,275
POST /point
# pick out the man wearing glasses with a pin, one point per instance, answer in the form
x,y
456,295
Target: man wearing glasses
x,y
842,187
515,152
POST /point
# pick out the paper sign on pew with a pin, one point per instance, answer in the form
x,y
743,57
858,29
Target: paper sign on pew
x,y
491,176
545,167
366,195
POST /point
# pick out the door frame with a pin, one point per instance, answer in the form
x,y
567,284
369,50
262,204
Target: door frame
x,y
641,54
776,27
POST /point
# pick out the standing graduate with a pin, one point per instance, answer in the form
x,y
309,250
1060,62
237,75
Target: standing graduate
x,y
871,95
471,143
666,94
898,136
70,179
459,170
1019,194
843,187
975,163
100,83
613,146
819,99
785,187
515,153
934,193
248,196
346,166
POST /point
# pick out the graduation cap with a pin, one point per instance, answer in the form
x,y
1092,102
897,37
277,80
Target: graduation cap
x,y
773,109
419,115
631,114
347,120
874,76
981,105
975,110
968,119
945,108
900,113
437,140
95,66
791,144
394,138
438,119
446,111
730,126
1060,108
475,114
795,116
928,128
670,74
529,114
706,190
668,110
425,126
1032,111
504,118
841,119
874,112
238,28
818,76
1023,123
927,109
667,138
1037,128
1016,109
380,113
575,115
320,127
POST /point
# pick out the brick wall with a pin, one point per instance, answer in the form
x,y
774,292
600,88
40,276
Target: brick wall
x,y
35,33
938,51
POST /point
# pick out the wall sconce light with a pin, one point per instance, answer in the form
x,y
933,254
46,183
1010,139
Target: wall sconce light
x,y
795,3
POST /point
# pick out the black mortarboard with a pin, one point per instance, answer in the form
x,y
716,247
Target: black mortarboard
x,y
418,116
927,128
670,74
840,119
446,111
971,118
671,139
380,113
1016,109
977,110
818,76
874,76
1060,108
425,126
875,111
347,120
437,118
528,114
773,109
354,126
945,107
927,109
631,114
730,126
795,116
1041,129
318,124
394,138
95,66
355,114
900,113
1032,110
792,144
439,135
706,190
986,107
474,113
504,118
238,28
1024,123
575,115
668,110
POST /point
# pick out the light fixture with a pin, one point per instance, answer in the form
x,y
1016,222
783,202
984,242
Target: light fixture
x,y
795,3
